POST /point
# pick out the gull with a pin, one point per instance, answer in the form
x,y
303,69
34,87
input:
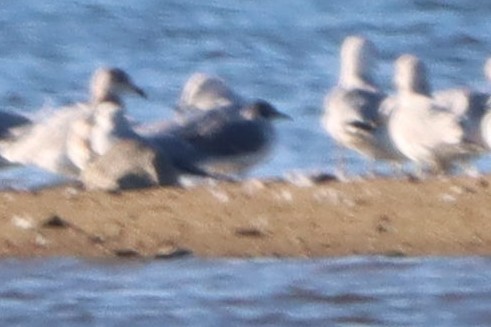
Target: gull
x,y
430,135
228,135
203,92
110,155
222,143
132,163
472,107
352,109
44,143
129,164
232,145
93,135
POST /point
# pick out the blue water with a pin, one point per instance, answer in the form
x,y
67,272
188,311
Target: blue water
x,y
282,51
352,291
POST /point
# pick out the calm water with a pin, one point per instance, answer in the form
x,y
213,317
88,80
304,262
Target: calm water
x,y
353,291
283,51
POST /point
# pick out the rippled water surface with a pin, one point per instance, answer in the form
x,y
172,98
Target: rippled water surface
x,y
282,51
352,291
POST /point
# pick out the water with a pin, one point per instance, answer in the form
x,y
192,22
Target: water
x,y
282,51
352,291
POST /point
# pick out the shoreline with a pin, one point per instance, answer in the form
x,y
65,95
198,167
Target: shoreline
x,y
450,216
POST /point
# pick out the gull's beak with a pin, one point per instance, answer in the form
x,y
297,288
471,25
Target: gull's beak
x,y
139,91
282,116
129,86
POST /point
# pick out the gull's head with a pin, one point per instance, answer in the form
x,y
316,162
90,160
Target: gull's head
x,y
205,92
410,75
261,109
358,60
108,84
487,69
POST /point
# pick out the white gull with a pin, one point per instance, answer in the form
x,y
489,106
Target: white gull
x,y
430,135
352,110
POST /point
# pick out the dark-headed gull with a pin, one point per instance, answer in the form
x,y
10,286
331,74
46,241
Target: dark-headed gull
x,y
228,134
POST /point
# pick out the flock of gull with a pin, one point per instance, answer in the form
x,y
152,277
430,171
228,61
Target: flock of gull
x,y
438,132
216,134
219,134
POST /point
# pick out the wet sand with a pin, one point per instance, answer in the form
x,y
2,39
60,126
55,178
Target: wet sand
x,y
450,216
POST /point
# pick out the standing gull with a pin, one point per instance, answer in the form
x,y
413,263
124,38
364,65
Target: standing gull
x,y
426,133
44,143
352,114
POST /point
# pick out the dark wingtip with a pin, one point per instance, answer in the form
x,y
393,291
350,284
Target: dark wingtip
x,y
362,125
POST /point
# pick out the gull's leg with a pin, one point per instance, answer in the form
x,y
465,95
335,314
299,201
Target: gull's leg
x,y
341,160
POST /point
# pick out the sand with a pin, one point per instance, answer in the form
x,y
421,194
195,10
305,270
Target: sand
x,y
439,216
